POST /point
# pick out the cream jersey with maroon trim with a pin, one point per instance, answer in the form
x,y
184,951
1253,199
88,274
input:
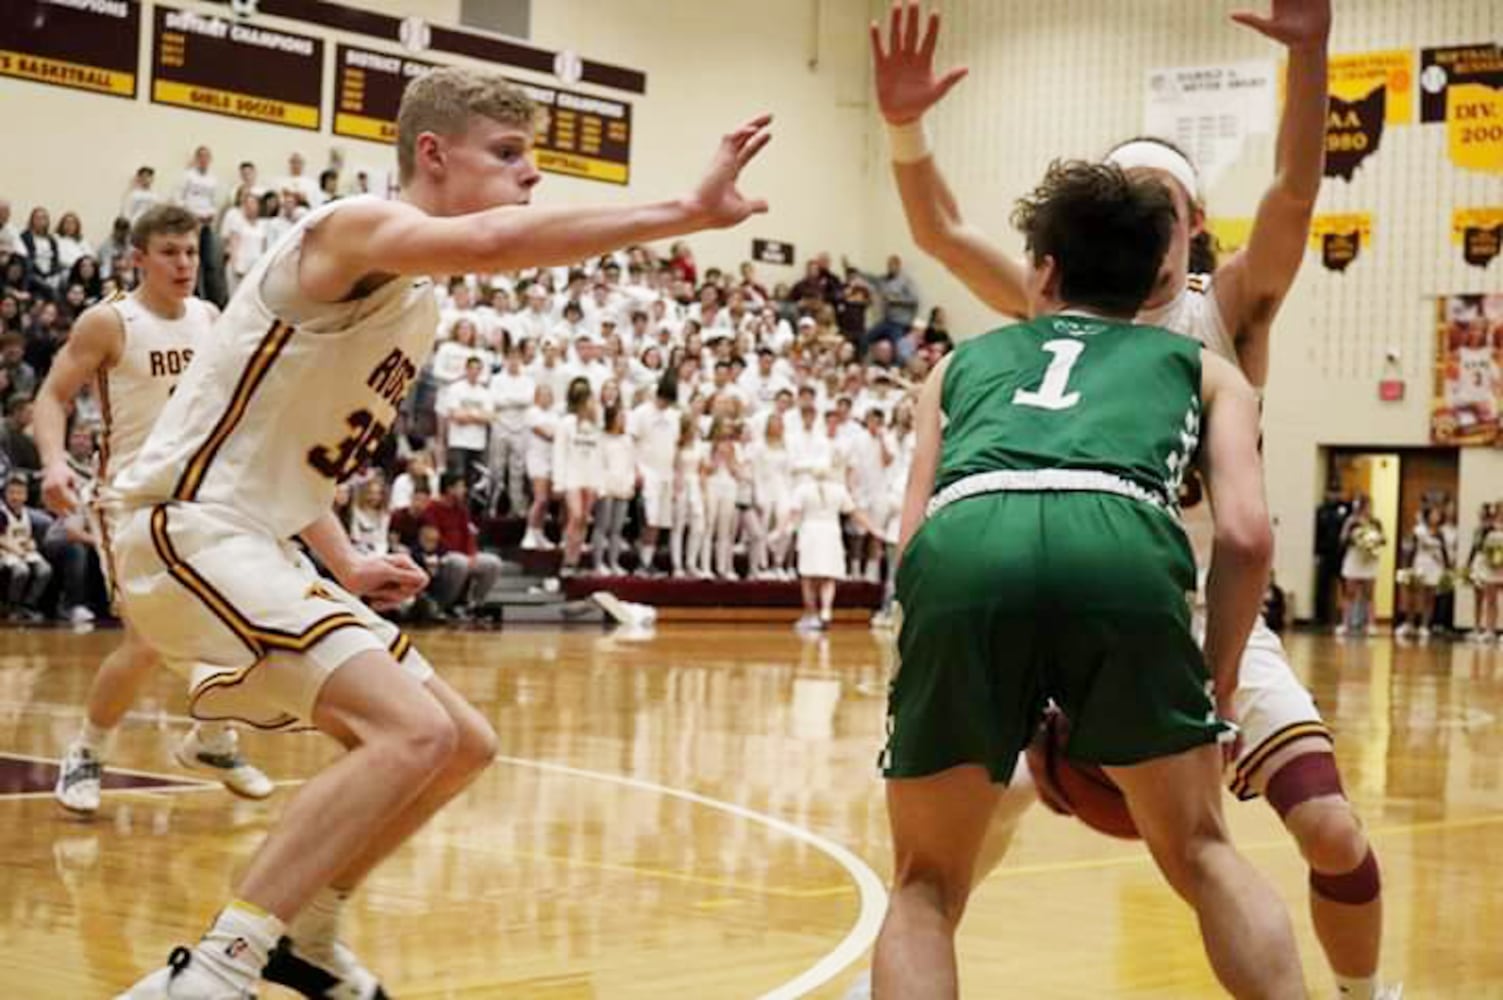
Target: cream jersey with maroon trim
x,y
289,398
1194,313
134,390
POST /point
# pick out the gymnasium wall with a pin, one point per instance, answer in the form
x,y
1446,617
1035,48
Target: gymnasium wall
x,y
1067,78
708,66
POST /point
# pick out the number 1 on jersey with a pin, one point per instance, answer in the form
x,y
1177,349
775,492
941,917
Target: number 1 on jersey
x,y
1051,395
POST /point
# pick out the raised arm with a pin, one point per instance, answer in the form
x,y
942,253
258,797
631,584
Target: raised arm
x,y
1243,549
384,238
906,89
926,453
1251,285
93,346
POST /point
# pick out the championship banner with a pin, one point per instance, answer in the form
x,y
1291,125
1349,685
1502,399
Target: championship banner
x,y
88,45
1479,233
1355,75
1462,85
1467,386
580,135
231,68
1209,111
1354,131
368,90
1340,238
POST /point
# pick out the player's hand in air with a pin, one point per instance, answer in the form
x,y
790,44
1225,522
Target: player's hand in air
x,y
385,581
716,200
60,489
906,84
1293,23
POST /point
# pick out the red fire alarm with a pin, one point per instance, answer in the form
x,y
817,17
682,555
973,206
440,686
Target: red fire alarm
x,y
1391,390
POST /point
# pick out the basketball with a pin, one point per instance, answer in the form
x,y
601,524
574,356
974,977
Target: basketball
x,y
1074,788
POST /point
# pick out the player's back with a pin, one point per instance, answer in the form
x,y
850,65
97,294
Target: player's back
x,y
288,398
134,391
1067,397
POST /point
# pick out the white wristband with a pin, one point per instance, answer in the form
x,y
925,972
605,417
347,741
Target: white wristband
x,y
909,141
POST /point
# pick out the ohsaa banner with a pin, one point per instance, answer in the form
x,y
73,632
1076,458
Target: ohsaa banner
x,y
1340,238
1354,131
1479,233
1467,383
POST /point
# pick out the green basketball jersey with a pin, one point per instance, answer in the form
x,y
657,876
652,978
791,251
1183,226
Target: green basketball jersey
x,y
1074,392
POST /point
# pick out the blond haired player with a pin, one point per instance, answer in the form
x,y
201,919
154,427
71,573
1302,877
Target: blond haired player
x,y
1286,749
299,385
134,347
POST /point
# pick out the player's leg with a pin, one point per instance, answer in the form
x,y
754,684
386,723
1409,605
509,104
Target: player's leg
x,y
1176,803
111,694
402,739
1301,783
938,825
1012,803
827,600
312,952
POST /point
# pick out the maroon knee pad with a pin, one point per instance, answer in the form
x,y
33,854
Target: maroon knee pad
x,y
1308,776
1356,887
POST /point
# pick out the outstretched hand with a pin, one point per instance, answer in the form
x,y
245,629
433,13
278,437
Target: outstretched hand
x,y
1294,23
716,200
906,84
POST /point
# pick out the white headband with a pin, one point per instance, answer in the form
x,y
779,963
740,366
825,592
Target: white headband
x,y
1156,156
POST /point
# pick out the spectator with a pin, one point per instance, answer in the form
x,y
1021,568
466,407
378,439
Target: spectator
x,y
114,253
45,336
937,333
618,485
16,444
199,193
20,282
687,546
20,377
654,430
71,244
41,248
450,514
304,187
27,573
818,503
10,239
542,428
721,472
139,196
871,457
465,408
370,519
328,186
1433,559
244,235
71,545
451,356
419,474
900,299
249,185
512,392
1486,564
576,466
85,275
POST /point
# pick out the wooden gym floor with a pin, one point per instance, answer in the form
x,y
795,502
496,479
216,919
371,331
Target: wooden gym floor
x,y
696,815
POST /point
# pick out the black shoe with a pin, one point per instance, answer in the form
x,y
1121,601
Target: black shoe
x,y
349,979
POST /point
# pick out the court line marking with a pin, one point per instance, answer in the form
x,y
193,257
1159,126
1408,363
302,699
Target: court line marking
x,y
872,891
668,875
180,778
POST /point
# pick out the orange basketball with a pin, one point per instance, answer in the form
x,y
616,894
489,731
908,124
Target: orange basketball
x,y
1074,788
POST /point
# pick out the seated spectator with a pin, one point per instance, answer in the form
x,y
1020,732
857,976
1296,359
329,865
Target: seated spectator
x,y
114,253
86,275
26,572
71,244
458,534
19,280
18,452
20,377
71,547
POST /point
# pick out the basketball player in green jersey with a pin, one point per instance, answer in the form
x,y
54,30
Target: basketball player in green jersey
x,y
1285,751
1062,442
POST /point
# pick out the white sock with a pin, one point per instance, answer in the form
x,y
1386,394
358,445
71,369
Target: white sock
x,y
217,737
316,928
94,739
236,947
1357,988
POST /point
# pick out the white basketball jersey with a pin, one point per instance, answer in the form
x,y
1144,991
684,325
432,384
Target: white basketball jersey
x,y
1194,313
289,396
134,391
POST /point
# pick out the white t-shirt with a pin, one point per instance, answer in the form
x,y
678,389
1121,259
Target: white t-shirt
x,y
451,359
511,397
136,202
199,193
463,395
248,238
654,432
69,250
540,450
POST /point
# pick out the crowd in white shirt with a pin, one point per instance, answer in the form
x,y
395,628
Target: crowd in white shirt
x,y
712,421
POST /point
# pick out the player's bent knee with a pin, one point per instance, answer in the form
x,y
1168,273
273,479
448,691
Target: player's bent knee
x,y
1356,887
423,745
476,747
1306,792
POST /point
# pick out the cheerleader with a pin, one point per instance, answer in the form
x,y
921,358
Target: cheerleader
x,y
818,503
686,543
722,473
1485,566
577,466
542,425
1362,541
618,486
1432,561
772,489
